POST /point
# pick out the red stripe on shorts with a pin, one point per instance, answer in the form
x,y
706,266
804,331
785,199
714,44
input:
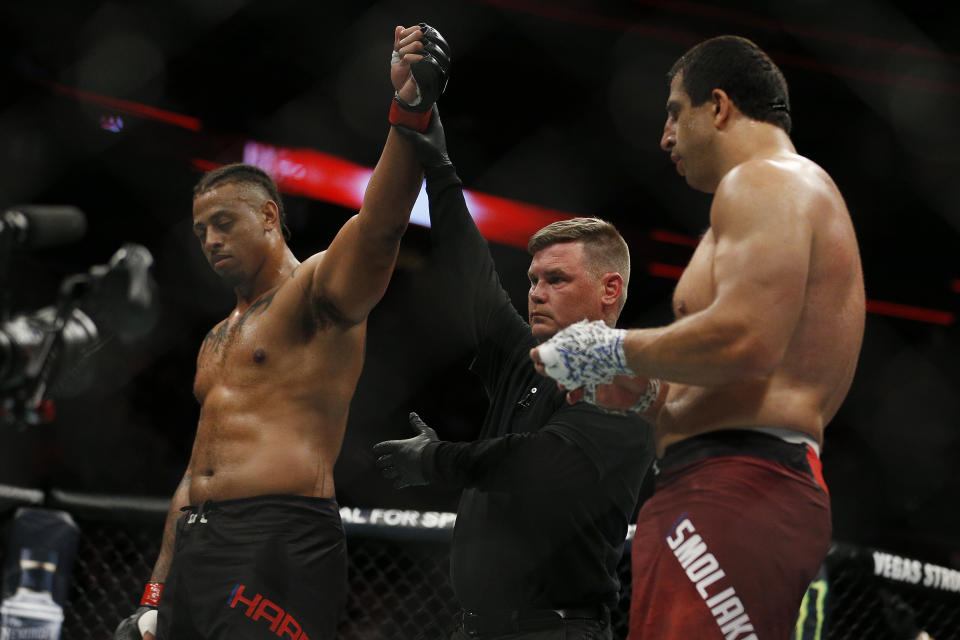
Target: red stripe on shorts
x,y
814,461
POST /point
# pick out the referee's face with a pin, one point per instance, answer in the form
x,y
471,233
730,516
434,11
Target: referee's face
x,y
562,290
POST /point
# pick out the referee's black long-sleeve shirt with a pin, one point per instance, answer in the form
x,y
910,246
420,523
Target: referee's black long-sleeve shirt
x,y
548,488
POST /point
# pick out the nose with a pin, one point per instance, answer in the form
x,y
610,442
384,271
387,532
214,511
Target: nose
x,y
669,138
212,240
536,293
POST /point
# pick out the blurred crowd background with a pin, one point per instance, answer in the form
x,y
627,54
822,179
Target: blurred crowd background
x,y
116,107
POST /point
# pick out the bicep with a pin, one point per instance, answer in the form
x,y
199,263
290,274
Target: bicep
x,y
761,259
353,273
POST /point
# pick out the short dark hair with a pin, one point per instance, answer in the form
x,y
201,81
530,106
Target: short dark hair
x,y
240,173
604,248
740,68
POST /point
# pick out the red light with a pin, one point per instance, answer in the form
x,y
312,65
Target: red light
x,y
128,107
879,307
664,270
908,312
313,174
670,237
309,173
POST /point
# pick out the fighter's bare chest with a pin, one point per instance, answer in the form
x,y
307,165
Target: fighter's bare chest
x,y
695,290
244,344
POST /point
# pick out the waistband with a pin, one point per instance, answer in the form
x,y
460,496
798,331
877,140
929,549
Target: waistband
x,y
491,624
752,442
267,504
796,437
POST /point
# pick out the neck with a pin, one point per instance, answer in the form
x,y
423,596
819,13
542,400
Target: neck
x,y
747,139
276,268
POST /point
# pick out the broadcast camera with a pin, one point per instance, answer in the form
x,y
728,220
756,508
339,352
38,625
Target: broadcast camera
x,y
40,348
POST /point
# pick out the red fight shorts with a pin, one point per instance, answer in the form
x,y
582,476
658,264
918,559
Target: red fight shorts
x,y
731,539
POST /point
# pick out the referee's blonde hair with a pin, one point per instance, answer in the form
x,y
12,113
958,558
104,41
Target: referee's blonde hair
x,y
604,248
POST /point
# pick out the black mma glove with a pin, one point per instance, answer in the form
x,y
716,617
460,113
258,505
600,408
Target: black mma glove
x,y
144,618
402,460
430,74
432,71
430,145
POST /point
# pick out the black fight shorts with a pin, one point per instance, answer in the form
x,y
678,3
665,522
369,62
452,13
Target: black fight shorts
x,y
263,567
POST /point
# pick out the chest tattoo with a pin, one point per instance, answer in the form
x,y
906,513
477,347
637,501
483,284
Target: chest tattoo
x,y
219,335
257,308
215,338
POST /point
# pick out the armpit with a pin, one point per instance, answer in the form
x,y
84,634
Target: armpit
x,y
324,314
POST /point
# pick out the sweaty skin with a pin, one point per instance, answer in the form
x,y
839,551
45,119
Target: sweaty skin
x,y
274,382
275,378
787,278
769,314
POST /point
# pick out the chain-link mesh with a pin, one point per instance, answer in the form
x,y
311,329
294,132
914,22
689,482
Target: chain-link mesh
x,y
399,589
113,563
862,605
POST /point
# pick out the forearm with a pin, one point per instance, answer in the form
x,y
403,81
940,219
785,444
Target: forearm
x,y
527,462
181,498
453,231
390,194
699,350
353,274
461,257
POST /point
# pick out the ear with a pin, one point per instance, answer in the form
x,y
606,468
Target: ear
x,y
271,215
612,289
722,107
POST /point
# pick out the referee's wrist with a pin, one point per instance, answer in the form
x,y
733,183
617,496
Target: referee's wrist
x,y
439,172
428,461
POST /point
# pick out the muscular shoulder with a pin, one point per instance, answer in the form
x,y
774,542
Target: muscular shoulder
x,y
214,338
771,188
322,310
786,177
311,263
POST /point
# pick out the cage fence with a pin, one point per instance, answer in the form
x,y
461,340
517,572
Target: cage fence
x,y
399,586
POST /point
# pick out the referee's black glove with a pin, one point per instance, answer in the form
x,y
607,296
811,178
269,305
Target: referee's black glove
x,y
402,460
430,145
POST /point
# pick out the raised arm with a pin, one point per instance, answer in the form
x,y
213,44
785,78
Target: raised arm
x,y
459,253
352,275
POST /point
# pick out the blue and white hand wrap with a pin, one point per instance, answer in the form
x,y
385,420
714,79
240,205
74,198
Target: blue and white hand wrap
x,y
585,353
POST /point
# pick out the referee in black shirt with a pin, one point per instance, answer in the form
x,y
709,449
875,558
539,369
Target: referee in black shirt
x,y
549,488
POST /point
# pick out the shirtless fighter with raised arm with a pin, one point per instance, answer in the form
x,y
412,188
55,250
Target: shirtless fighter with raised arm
x,y
260,550
769,324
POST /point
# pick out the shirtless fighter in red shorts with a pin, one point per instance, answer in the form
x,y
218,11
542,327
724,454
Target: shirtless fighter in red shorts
x,y
769,324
